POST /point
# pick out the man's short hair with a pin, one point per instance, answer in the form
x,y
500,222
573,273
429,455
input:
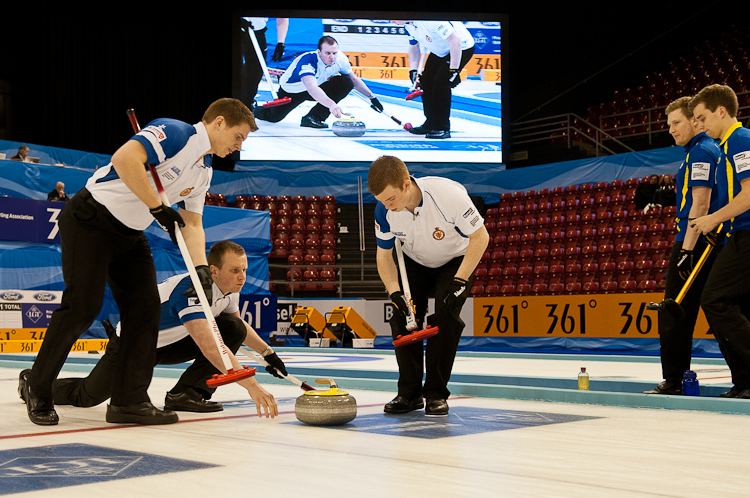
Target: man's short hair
x,y
682,104
23,148
714,96
219,249
234,111
327,40
386,171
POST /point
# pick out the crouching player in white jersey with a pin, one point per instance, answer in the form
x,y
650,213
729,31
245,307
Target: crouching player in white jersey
x,y
102,242
443,238
185,335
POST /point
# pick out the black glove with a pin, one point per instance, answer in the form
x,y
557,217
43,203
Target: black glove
x,y
400,307
207,282
278,52
715,238
375,104
454,77
685,263
275,365
458,290
414,77
166,217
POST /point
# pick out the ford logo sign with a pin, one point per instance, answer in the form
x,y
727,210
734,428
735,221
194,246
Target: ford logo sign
x,y
44,296
11,296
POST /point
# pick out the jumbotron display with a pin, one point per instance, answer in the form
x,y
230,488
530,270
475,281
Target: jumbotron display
x,y
328,89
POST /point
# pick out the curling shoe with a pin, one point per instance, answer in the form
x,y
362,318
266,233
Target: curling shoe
x,y
666,387
311,122
436,407
40,412
399,404
142,413
190,401
438,135
421,130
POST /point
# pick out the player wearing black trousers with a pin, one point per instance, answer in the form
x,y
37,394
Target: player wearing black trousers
x,y
443,237
450,47
697,195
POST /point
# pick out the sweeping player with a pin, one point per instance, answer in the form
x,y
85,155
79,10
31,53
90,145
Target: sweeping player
x,y
443,237
726,290
697,195
450,47
252,71
185,335
102,242
324,76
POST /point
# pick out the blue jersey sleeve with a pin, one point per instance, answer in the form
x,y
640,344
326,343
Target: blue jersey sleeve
x,y
163,138
383,234
702,164
182,308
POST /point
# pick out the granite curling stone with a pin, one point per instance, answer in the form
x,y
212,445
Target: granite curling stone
x,y
329,407
348,127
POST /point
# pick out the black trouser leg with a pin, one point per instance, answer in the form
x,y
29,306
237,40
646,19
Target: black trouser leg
x,y
252,71
437,95
233,332
93,389
91,240
336,88
676,336
724,295
440,351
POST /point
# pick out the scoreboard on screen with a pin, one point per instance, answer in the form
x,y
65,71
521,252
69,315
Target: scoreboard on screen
x,y
26,313
580,315
372,43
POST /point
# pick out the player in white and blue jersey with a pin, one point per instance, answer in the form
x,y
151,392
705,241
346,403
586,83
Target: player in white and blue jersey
x,y
443,237
450,47
324,76
185,335
102,241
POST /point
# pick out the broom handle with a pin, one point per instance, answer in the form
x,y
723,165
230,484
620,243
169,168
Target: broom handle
x,y
411,322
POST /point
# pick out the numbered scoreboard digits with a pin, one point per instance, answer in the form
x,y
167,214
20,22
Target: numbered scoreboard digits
x,y
259,311
601,315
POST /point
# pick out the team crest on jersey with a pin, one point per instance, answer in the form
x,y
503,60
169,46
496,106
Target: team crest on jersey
x,y
438,234
186,191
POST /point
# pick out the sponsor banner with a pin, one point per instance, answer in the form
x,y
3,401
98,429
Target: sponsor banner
x,y
29,220
595,315
25,314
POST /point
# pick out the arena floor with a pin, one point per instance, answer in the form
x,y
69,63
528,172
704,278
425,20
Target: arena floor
x,y
518,427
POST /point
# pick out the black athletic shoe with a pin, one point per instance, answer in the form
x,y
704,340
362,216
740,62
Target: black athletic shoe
x,y
439,134
436,407
142,413
732,393
40,412
666,387
311,122
420,130
190,401
399,404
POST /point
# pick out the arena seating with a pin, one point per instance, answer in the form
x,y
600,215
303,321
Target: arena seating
x,y
578,239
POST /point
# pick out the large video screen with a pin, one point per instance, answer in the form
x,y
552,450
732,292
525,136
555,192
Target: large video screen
x,y
404,61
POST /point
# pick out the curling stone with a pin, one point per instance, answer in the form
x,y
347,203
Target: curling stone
x,y
331,407
348,127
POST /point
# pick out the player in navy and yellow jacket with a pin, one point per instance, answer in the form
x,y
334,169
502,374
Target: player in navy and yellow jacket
x,y
727,290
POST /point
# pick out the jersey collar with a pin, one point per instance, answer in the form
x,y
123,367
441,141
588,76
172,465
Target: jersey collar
x,y
731,130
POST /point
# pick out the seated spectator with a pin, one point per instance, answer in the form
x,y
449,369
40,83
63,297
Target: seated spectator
x,y
58,194
665,195
23,153
644,194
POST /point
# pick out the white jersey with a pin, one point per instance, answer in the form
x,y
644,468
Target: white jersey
x,y
178,150
433,35
257,22
309,64
176,309
439,229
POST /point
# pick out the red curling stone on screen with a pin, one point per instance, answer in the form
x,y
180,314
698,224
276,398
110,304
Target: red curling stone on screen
x,y
417,336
